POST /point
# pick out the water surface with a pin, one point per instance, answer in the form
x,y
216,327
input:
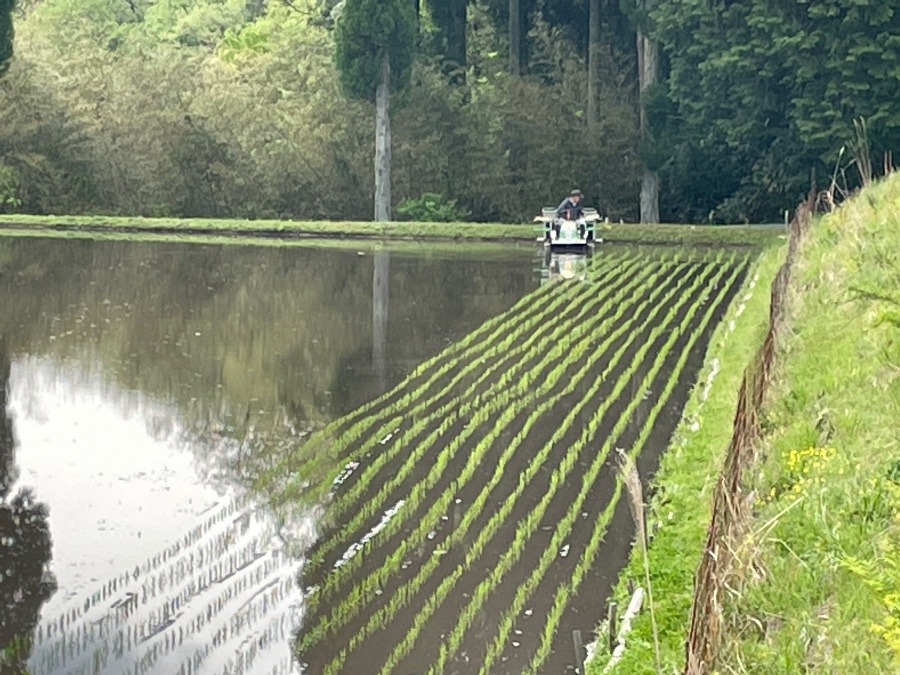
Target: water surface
x,y
145,384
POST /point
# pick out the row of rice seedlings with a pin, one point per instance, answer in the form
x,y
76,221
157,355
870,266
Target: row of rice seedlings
x,y
506,388
569,588
391,417
401,598
578,303
205,541
123,630
528,526
377,578
434,368
467,348
565,525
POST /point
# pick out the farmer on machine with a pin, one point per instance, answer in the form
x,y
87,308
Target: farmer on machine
x,y
570,209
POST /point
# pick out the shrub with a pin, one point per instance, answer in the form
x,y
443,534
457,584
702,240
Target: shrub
x,y
433,208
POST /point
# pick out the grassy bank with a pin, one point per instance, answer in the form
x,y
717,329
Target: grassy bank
x,y
821,570
687,475
526,232
825,540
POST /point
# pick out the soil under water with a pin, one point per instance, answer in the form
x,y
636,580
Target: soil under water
x,y
148,386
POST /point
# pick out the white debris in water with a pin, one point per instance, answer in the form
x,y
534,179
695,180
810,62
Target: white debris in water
x,y
355,548
529,612
564,551
345,474
458,500
515,644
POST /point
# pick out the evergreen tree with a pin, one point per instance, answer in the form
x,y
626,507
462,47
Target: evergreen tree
x,y
449,17
6,34
758,94
375,41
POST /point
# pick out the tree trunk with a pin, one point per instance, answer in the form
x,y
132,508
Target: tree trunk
x,y
381,296
593,107
515,37
648,73
383,143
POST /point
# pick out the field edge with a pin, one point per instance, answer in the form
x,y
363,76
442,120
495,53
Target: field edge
x,y
701,235
683,485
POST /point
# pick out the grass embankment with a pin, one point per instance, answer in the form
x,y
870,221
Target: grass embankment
x,y
820,588
284,229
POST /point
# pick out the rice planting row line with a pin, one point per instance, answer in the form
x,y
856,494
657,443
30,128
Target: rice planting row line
x,y
507,331
475,407
472,344
574,353
568,589
527,526
537,329
564,526
204,537
333,581
401,598
101,643
469,346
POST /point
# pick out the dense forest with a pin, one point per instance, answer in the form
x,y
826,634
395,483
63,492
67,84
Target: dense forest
x,y
714,110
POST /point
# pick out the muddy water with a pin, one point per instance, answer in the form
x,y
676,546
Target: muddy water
x,y
143,387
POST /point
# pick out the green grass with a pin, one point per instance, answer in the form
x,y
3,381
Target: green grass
x,y
829,483
820,583
284,229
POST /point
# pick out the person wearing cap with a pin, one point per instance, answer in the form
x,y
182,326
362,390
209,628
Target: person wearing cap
x,y
570,209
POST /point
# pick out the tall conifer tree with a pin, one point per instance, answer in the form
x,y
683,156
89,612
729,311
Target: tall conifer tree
x,y
375,43
6,33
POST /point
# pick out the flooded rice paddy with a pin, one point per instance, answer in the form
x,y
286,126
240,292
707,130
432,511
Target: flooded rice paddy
x,y
263,460
475,518
145,389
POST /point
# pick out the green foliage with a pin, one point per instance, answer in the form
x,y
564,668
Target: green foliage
x,y
9,188
366,32
762,92
825,524
215,108
433,208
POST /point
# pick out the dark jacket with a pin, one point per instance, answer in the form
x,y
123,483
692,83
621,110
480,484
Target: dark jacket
x,y
569,210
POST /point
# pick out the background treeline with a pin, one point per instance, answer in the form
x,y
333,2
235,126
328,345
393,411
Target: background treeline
x,y
233,108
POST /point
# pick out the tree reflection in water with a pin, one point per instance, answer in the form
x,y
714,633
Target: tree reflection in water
x,y
25,548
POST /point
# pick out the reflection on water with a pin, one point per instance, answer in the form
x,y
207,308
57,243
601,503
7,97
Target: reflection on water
x,y
144,382
565,265
25,580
